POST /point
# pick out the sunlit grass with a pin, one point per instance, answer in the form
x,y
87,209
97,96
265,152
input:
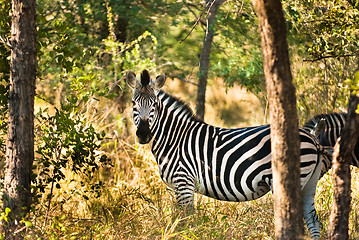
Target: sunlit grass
x,y
139,206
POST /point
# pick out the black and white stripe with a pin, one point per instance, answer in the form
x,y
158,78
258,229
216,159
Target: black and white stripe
x,y
225,164
328,134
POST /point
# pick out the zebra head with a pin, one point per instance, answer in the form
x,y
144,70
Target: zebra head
x,y
144,102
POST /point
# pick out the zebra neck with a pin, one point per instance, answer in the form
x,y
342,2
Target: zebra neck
x,y
172,119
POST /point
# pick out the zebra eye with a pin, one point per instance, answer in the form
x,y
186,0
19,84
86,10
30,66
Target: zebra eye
x,y
133,103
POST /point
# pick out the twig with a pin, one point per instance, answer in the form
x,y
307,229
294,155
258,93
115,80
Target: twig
x,y
164,64
209,5
195,24
52,189
199,18
19,230
5,42
185,80
190,74
240,10
49,204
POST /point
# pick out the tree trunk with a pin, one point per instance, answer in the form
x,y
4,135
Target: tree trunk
x,y
288,211
20,139
204,58
339,216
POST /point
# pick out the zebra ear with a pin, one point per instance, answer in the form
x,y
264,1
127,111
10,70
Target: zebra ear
x,y
159,82
131,79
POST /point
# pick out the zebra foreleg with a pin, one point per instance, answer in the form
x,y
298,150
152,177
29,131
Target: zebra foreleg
x,y
184,193
310,215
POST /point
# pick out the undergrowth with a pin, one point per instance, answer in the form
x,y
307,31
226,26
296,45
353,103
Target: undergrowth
x,y
139,206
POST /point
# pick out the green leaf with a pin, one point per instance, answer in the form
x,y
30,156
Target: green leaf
x,y
7,211
28,224
356,78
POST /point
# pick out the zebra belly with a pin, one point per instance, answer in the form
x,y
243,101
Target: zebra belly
x,y
228,193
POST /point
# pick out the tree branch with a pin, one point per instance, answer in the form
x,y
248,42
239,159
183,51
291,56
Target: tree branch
x,y
331,56
209,5
194,25
184,80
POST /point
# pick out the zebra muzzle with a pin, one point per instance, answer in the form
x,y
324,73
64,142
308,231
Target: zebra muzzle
x,y
143,132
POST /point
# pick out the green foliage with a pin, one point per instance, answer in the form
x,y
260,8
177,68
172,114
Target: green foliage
x,y
80,39
324,51
241,61
243,68
4,215
65,140
65,42
129,55
332,27
4,221
353,85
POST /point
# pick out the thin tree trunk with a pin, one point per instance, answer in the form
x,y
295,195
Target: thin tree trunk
x,y
204,58
339,216
20,140
288,211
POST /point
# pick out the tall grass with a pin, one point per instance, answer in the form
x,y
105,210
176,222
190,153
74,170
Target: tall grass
x,y
139,206
135,204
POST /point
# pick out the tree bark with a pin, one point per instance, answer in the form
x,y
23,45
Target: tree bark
x,y
339,216
20,139
204,58
288,210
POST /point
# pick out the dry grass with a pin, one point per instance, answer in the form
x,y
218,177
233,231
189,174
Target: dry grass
x,y
135,204
139,206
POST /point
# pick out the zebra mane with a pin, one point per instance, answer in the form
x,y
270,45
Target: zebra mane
x,y
327,117
175,103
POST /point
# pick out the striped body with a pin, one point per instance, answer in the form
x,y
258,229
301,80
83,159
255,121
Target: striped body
x,y
328,135
225,164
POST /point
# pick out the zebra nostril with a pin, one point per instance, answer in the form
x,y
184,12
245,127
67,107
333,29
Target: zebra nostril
x,y
138,134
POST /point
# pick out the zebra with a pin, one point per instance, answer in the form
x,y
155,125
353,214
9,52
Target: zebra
x,y
225,164
328,128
